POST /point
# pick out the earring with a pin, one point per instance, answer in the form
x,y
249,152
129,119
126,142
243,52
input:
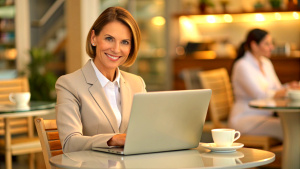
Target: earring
x,y
93,44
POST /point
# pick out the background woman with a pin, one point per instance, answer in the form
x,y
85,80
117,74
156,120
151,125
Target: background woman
x,y
254,77
94,102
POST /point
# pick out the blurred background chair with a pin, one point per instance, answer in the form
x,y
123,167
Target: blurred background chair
x,y
49,138
220,106
19,136
192,81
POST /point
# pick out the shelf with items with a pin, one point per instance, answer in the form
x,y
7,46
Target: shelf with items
x,y
7,2
242,16
235,13
8,52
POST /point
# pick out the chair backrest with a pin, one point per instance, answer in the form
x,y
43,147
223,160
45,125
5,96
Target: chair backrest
x,y
191,79
222,98
17,125
49,138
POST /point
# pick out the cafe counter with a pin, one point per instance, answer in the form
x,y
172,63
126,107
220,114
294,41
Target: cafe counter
x,y
287,68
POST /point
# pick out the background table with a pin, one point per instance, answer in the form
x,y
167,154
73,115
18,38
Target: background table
x,y
289,113
34,108
9,112
194,158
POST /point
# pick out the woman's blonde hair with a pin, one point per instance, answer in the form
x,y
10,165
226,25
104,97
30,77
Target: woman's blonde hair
x,y
116,14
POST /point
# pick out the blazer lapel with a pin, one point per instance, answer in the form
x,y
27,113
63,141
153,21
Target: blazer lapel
x,y
98,94
126,101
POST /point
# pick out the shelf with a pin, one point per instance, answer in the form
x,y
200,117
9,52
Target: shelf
x,y
236,13
8,52
7,44
7,11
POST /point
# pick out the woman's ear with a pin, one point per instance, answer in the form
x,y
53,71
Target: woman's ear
x,y
93,37
253,46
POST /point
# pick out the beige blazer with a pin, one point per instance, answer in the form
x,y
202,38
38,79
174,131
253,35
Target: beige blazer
x,y
84,116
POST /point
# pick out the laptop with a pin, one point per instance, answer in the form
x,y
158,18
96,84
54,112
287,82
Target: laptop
x,y
164,121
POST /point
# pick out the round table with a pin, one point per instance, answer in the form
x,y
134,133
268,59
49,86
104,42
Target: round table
x,y
289,113
34,108
193,158
8,112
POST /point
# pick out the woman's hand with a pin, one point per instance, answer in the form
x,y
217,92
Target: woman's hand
x,y
280,93
117,140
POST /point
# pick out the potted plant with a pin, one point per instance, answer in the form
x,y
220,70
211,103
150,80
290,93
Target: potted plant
x,y
41,81
275,4
203,4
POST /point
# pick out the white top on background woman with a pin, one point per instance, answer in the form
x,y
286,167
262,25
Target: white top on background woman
x,y
254,77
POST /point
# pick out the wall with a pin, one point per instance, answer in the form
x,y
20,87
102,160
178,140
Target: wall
x,y
80,15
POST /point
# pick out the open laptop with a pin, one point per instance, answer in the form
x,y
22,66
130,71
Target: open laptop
x,y
164,121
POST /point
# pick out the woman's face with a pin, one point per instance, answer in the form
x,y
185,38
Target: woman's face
x,y
113,46
265,47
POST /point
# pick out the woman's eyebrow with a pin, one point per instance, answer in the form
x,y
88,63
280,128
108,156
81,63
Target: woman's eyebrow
x,y
108,35
114,37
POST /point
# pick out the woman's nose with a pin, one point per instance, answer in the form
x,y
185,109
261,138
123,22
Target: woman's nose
x,y
116,48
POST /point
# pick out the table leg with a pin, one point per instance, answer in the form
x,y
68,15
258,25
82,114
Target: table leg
x,y
7,135
291,143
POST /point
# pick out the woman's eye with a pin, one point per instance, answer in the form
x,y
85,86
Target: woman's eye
x,y
109,38
125,42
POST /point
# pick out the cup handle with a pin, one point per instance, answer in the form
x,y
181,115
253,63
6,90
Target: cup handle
x,y
238,135
11,97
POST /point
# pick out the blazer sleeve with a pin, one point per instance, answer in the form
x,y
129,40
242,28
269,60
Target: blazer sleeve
x,y
69,122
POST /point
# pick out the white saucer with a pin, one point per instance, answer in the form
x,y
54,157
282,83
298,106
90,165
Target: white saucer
x,y
214,148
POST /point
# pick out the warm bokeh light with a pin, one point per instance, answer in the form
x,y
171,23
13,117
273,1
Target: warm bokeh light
x,y
158,20
184,21
210,19
277,16
259,17
295,15
188,30
228,18
251,17
10,54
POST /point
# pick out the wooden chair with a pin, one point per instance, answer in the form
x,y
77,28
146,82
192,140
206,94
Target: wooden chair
x,y
49,138
19,138
221,102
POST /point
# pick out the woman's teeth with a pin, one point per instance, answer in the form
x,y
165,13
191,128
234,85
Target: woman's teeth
x,y
113,57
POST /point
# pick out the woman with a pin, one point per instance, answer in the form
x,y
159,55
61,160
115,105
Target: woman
x,y
254,77
94,102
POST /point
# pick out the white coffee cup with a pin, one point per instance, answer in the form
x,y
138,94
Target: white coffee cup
x,y
21,99
224,137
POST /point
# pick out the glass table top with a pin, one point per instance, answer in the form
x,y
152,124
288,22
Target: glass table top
x,y
193,158
285,103
33,105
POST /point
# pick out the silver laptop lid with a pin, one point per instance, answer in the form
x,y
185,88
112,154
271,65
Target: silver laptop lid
x,y
164,121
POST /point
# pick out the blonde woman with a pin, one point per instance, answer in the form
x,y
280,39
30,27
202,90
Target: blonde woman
x,y
94,102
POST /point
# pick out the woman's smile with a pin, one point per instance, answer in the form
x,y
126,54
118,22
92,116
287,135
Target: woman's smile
x,y
113,57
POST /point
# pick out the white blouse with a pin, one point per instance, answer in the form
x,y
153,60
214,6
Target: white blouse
x,y
112,92
250,83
